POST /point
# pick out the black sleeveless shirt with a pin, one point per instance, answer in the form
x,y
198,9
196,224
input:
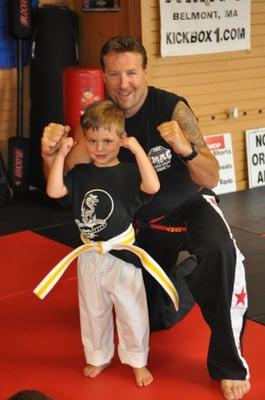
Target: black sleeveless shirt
x,y
176,184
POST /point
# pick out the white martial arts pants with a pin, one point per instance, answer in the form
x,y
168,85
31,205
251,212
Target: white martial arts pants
x,y
105,281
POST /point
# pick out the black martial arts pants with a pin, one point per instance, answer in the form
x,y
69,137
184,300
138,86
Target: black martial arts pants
x,y
217,284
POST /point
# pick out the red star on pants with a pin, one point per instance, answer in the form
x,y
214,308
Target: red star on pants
x,y
241,297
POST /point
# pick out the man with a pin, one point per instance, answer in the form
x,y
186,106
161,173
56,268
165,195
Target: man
x,y
184,214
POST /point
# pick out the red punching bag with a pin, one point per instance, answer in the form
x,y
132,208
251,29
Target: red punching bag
x,y
81,87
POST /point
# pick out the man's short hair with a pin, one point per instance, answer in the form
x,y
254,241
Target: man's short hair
x,y
123,44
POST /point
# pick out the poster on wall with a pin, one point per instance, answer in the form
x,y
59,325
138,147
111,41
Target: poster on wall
x,y
221,148
255,142
191,27
100,5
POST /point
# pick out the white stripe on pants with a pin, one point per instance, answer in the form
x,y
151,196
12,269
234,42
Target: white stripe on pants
x,y
104,281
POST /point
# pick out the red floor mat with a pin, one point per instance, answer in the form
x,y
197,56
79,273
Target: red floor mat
x,y
40,342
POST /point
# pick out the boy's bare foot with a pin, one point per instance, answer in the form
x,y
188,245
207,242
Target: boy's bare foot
x,y
92,371
143,376
234,389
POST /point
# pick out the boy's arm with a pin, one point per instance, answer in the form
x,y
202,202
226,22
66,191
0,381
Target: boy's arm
x,y
150,182
55,182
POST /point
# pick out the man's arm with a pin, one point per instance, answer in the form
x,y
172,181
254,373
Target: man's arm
x,y
50,144
180,134
51,140
78,154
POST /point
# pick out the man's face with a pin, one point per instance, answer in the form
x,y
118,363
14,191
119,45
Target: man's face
x,y
126,80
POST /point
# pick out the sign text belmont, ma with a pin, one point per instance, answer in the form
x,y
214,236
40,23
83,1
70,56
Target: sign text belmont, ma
x,y
204,26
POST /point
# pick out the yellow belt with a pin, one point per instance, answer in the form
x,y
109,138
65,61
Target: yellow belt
x,y
124,241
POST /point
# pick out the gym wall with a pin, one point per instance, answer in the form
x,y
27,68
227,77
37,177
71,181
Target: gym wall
x,y
215,83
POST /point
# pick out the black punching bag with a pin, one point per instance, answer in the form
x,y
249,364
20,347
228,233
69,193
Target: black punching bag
x,y
54,46
19,28
19,18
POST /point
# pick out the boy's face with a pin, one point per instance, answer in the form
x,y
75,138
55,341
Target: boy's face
x,y
102,146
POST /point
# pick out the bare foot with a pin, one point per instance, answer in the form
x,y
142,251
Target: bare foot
x,y
143,376
92,371
233,389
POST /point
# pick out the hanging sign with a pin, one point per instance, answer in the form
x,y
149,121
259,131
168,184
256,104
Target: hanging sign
x,y
101,5
255,141
221,148
207,26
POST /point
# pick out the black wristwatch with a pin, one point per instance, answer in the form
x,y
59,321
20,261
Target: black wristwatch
x,y
191,156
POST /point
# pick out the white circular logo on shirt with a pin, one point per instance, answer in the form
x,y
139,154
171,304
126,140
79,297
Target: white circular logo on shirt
x,y
160,157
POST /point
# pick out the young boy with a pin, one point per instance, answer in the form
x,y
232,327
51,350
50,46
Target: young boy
x,y
105,194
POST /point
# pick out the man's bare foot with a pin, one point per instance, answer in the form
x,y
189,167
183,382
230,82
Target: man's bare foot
x,y
234,389
143,376
92,371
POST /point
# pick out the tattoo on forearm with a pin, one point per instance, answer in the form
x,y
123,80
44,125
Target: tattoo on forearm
x,y
188,124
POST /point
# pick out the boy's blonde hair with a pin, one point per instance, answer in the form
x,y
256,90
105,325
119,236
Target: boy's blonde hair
x,y
103,114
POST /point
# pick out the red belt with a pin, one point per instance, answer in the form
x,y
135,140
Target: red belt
x,y
172,229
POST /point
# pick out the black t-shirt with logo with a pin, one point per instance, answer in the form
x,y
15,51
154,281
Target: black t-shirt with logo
x,y
104,201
